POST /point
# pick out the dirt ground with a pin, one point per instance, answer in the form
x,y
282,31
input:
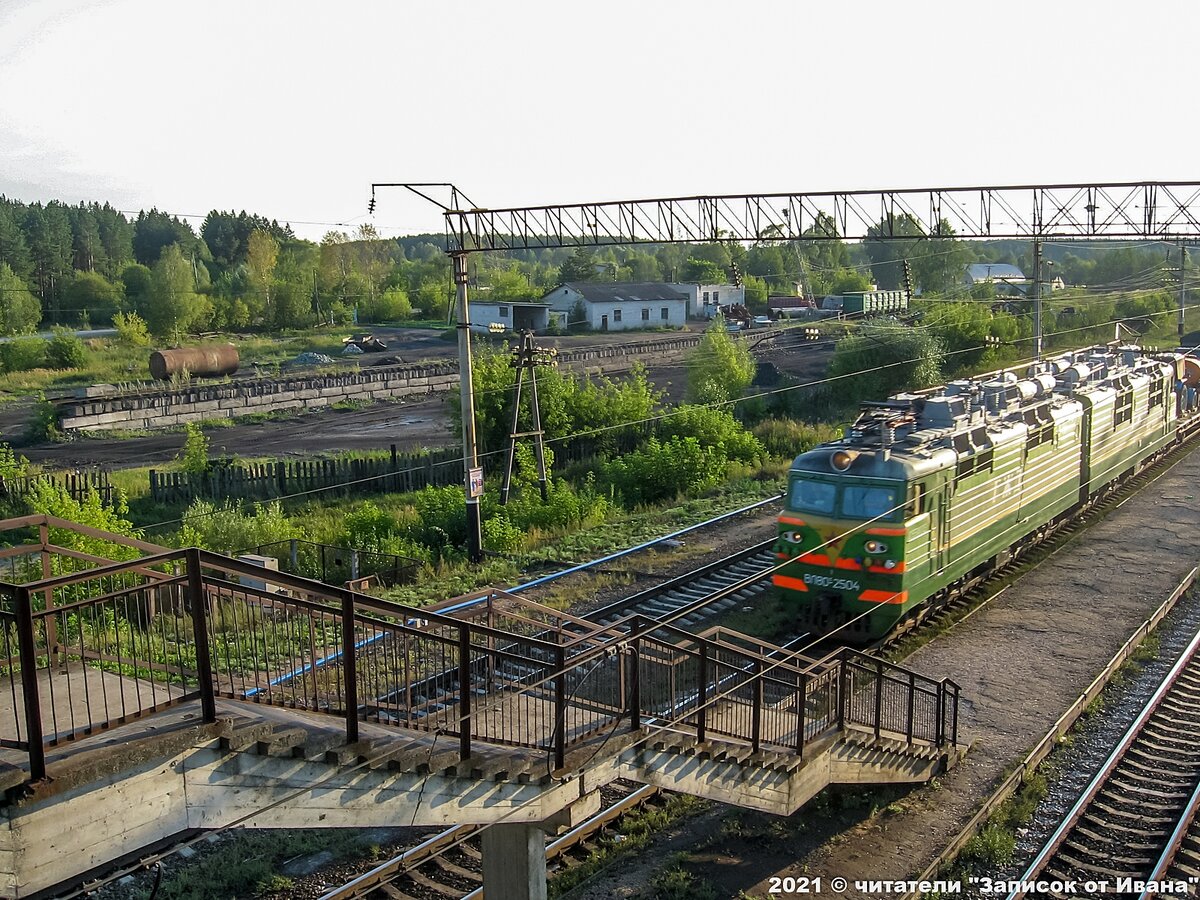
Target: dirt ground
x,y
410,425
1020,661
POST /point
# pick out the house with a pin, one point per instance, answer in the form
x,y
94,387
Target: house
x,y
514,315
1008,279
621,305
705,299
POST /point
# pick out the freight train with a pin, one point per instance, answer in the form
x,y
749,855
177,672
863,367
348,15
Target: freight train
x,y
929,492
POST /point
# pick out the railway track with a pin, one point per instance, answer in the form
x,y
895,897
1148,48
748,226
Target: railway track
x,y
449,864
1134,827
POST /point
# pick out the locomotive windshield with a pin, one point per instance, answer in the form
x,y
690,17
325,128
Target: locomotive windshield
x,y
813,496
867,502
856,501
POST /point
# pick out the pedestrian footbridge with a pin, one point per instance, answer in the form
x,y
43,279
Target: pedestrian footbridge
x,y
172,690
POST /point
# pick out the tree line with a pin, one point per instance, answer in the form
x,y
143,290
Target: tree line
x,y
83,264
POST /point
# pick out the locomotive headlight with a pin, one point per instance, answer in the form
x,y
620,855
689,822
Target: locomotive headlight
x,y
791,537
875,547
841,459
889,564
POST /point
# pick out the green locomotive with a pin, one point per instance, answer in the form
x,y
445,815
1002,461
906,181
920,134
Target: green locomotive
x,y
929,491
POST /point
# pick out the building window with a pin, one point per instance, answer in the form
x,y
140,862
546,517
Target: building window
x,y
665,314
706,297
716,294
617,314
645,315
504,312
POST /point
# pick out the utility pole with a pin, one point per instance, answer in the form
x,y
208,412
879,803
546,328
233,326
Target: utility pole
x,y
1182,289
527,356
472,473
1037,299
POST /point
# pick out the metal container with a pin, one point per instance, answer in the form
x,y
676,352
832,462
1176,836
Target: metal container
x,y
206,360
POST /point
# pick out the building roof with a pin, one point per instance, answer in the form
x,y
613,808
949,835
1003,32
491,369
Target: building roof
x,y
977,272
616,291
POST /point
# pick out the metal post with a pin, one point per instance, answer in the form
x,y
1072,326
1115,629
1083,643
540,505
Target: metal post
x,y
350,667
1182,289
801,713
29,684
878,696
635,679
560,706
912,702
941,714
539,446
954,719
756,710
464,691
702,709
1037,299
204,668
512,436
467,397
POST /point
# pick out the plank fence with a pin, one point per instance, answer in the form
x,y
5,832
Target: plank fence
x,y
338,477
350,476
78,484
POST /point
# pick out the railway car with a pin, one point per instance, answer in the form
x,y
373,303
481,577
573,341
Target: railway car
x,y
928,492
874,303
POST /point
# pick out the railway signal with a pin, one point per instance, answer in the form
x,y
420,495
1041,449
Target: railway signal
x,y
528,356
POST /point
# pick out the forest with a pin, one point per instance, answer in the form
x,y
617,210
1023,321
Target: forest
x,y
82,265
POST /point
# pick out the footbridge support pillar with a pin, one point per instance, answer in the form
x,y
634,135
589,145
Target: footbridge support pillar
x,y
514,862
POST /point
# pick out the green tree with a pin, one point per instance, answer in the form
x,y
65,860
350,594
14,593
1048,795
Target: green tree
x,y
136,280
845,281
131,329
262,253
65,350
703,271
580,267
720,368
172,305
20,311
194,456
93,298
757,293
878,360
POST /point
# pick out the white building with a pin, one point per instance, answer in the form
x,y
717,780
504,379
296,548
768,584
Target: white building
x,y
705,299
516,315
620,306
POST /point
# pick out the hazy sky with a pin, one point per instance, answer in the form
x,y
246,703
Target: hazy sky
x,y
292,109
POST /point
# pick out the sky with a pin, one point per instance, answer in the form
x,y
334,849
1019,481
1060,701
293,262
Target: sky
x,y
293,109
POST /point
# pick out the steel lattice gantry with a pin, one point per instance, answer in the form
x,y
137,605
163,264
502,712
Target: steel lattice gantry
x,y
1145,210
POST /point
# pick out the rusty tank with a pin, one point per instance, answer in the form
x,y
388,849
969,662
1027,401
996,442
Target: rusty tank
x,y
207,360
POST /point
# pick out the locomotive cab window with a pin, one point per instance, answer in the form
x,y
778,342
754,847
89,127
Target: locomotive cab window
x,y
916,500
868,502
813,496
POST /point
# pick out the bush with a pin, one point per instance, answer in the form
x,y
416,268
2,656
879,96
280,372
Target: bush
x,y
194,456
228,528
713,428
787,438
662,470
131,329
65,351
501,535
23,353
44,425
390,306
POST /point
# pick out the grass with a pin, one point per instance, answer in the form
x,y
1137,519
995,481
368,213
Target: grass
x,y
637,830
246,864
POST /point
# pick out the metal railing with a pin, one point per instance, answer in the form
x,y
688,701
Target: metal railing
x,y
128,639
337,565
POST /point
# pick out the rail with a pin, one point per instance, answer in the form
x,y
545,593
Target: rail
x,y
130,639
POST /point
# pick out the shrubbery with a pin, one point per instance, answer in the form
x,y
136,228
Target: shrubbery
x,y
787,438
23,353
713,428
228,528
65,351
665,469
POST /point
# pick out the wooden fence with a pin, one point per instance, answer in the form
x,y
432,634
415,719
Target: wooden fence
x,y
344,476
348,476
78,484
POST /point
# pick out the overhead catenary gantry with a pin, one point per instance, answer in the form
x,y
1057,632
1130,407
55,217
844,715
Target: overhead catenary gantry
x,y
1147,210
1141,210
